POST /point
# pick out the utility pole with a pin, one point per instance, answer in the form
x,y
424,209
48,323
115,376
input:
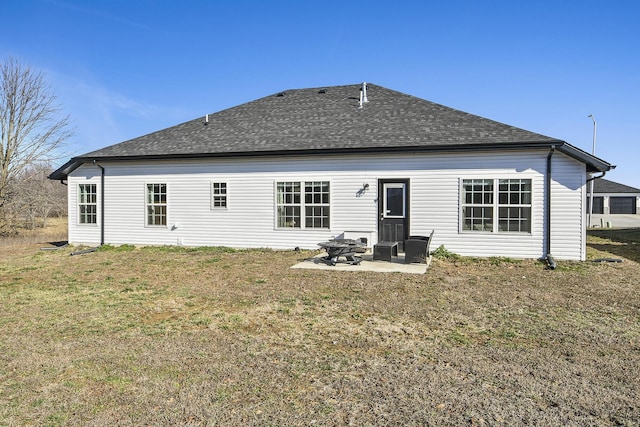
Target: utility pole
x,y
593,152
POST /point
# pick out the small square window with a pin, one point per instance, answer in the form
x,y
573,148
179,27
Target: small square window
x,y
219,195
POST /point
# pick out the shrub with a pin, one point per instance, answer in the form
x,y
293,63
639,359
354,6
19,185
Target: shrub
x,y
444,253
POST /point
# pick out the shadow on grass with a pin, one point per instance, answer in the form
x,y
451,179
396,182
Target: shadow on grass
x,y
625,242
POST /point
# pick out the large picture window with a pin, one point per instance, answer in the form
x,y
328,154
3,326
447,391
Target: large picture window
x,y
302,204
156,204
505,202
87,204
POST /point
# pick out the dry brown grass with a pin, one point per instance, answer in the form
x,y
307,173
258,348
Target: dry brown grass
x,y
168,336
55,231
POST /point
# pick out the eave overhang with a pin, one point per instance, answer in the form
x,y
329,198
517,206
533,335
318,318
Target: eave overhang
x,y
593,164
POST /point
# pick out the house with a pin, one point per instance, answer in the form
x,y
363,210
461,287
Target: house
x,y
614,204
302,166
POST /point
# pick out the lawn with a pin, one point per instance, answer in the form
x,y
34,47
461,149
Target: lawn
x,y
214,336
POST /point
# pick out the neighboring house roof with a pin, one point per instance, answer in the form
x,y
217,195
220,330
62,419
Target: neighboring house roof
x,y
605,186
329,119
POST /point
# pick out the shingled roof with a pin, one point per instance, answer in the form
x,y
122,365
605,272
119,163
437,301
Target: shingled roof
x,y
606,186
327,119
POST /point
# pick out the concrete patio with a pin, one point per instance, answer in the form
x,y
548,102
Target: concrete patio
x,y
397,265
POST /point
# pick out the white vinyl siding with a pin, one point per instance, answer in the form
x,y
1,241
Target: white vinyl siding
x,y
83,233
568,219
251,220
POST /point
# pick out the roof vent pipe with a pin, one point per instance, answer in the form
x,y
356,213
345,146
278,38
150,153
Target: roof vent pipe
x,y
364,92
360,102
206,119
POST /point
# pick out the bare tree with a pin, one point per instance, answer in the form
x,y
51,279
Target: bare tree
x,y
37,198
32,126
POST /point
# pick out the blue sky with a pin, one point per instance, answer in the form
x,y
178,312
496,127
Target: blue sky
x,y
124,68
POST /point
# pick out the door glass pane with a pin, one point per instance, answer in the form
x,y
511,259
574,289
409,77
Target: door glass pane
x,y
394,200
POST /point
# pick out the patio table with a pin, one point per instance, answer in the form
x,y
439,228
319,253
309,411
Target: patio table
x,y
346,248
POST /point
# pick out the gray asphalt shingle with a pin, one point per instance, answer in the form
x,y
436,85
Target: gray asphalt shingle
x,y
326,118
605,186
329,119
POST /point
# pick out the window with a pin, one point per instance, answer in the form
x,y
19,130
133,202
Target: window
x,y
394,200
316,200
514,205
218,195
156,204
477,204
288,205
506,202
302,205
87,204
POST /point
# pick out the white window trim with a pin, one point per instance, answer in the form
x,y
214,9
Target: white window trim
x,y
146,204
226,195
78,222
401,185
496,207
302,205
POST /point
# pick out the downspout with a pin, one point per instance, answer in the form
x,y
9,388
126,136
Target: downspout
x,y
548,257
101,203
597,177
